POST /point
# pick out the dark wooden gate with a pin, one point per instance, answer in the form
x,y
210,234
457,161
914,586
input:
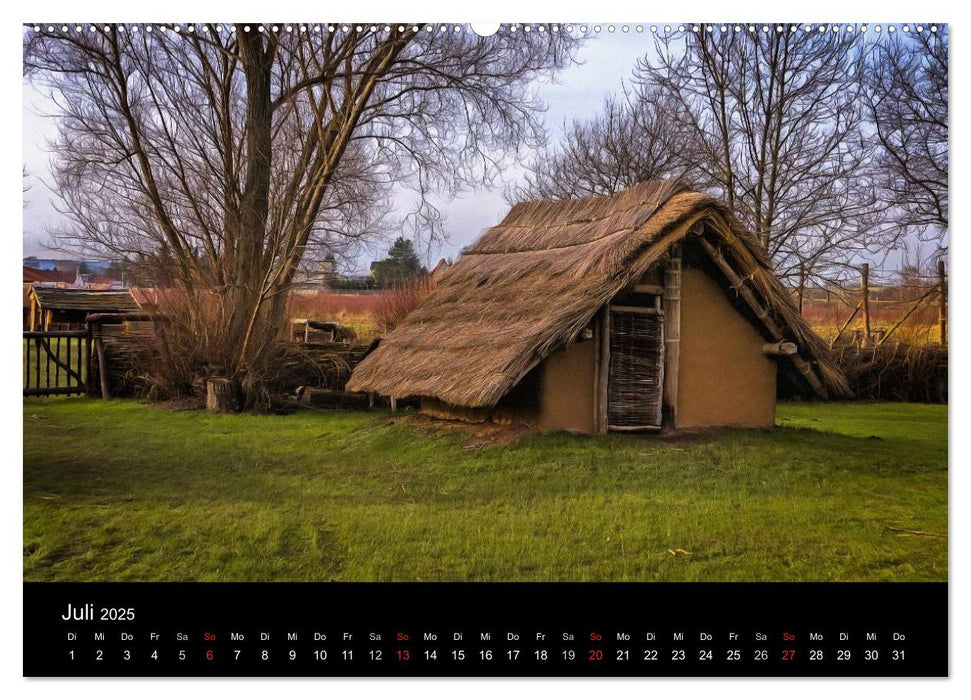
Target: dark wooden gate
x,y
636,368
56,362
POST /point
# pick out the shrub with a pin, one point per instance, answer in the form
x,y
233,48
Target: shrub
x,y
895,371
399,301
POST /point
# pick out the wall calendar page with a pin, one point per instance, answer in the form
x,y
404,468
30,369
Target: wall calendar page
x,y
395,349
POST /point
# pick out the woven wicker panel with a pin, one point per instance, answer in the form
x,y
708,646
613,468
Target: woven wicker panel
x,y
635,376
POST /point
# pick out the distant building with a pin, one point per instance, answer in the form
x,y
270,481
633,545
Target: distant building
x,y
316,276
52,277
62,264
440,267
56,308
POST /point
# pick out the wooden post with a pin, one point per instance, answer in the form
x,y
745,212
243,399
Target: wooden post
x,y
394,405
865,302
102,366
672,332
603,370
942,302
596,373
89,363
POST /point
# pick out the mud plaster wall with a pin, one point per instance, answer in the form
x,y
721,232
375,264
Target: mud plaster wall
x,y
724,378
567,389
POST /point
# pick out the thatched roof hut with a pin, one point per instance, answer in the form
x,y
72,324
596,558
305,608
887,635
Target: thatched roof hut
x,y
544,279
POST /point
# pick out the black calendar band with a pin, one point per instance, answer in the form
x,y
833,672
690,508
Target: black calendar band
x,y
495,629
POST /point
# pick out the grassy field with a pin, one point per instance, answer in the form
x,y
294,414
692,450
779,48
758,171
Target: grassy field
x,y
122,491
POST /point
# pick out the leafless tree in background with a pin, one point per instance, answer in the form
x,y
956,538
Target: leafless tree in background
x,y
776,122
906,90
632,140
223,155
771,121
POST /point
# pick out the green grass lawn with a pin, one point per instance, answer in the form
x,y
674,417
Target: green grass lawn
x,y
123,491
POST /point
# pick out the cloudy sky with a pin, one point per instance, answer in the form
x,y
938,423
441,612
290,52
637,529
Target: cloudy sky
x,y
578,92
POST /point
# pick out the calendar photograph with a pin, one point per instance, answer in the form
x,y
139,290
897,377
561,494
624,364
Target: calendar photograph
x,y
460,303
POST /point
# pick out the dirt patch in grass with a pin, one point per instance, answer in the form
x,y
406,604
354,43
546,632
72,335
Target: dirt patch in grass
x,y
182,403
474,436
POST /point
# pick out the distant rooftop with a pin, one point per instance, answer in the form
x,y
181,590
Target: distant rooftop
x,y
85,299
63,264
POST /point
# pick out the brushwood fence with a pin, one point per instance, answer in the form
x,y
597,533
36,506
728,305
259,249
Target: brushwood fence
x,y
124,345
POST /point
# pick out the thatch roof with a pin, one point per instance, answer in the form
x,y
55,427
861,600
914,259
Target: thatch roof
x,y
93,300
530,285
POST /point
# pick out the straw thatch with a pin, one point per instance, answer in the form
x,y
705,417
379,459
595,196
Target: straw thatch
x,y
530,285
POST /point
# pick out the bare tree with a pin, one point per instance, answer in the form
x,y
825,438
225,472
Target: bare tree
x,y
769,121
777,124
906,90
632,140
225,154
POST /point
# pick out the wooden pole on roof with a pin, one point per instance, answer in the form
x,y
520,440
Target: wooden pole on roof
x,y
865,302
942,302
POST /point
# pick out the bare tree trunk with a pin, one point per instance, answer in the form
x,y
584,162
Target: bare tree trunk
x,y
865,302
249,273
221,159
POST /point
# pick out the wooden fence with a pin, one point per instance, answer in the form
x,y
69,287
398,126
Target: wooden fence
x,y
56,362
885,306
